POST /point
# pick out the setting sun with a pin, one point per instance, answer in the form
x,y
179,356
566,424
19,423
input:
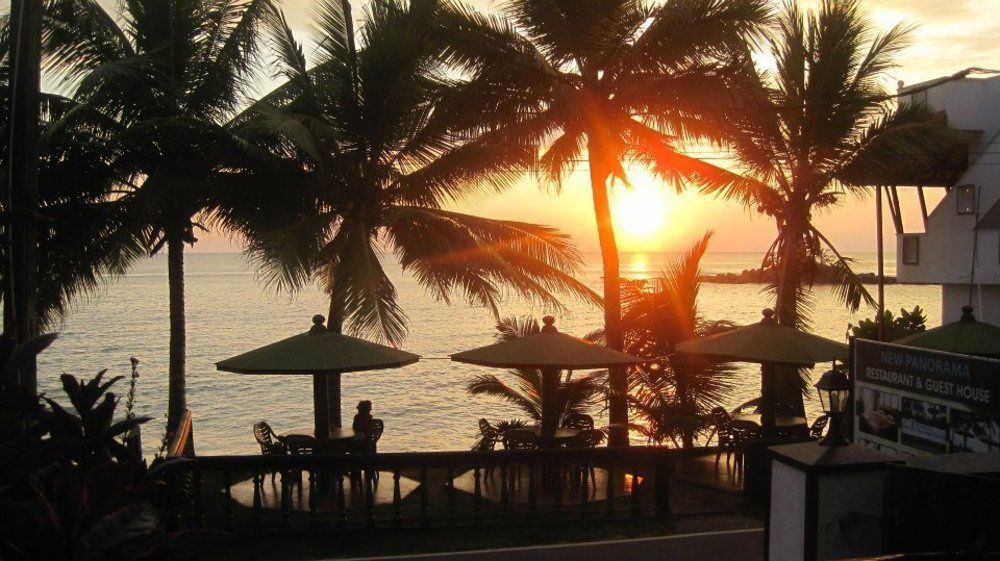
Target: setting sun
x,y
641,215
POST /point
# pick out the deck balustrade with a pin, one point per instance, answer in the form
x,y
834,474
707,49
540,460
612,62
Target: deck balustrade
x,y
419,490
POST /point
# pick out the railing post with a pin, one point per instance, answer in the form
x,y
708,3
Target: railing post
x,y
227,517
424,504
661,485
173,517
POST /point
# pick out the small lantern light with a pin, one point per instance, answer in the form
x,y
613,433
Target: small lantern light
x,y
834,389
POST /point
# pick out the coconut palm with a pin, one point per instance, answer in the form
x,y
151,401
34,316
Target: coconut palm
x,y
573,395
821,127
370,158
167,76
672,396
605,82
81,234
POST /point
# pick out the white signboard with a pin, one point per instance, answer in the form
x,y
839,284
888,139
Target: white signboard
x,y
912,401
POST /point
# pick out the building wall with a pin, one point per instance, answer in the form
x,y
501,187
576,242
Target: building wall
x,y
946,248
985,302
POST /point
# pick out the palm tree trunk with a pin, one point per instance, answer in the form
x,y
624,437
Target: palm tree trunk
x,y
789,276
617,382
177,393
334,323
684,397
22,182
786,381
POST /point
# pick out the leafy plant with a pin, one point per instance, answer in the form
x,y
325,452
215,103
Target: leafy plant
x,y
573,395
69,490
908,322
130,397
672,395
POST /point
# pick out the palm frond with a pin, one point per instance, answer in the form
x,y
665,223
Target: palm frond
x,y
478,257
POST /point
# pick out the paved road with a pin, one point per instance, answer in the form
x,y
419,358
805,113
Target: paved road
x,y
730,545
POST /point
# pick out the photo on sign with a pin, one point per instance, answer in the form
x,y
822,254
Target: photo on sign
x,y
878,413
924,425
974,433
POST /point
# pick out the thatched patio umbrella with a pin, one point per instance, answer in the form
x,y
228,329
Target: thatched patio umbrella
x,y
771,345
965,336
324,355
549,351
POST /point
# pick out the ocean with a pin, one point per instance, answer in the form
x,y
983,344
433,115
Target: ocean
x,y
424,406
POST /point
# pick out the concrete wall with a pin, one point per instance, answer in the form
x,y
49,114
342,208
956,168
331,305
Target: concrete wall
x,y
850,508
786,533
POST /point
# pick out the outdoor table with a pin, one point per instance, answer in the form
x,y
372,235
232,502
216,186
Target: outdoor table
x,y
752,421
562,435
340,434
336,442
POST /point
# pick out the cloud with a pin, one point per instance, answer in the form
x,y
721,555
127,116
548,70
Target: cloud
x,y
950,35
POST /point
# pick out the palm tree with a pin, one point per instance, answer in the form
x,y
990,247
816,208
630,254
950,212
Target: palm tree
x,y
604,82
673,395
369,157
573,395
81,234
821,127
167,76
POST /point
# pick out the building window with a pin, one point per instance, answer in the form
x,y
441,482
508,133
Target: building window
x,y
911,250
919,97
966,199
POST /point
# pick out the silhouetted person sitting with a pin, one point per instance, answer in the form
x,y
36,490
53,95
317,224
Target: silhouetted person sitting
x,y
363,418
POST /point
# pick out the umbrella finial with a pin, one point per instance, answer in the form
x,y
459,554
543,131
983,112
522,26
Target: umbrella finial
x,y
549,324
768,314
318,326
967,314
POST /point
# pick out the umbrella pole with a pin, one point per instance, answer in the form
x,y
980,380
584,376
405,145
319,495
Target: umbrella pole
x,y
767,397
333,399
321,407
550,385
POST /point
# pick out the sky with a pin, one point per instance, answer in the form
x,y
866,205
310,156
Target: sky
x,y
951,35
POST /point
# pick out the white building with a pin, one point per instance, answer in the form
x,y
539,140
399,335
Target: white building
x,y
960,246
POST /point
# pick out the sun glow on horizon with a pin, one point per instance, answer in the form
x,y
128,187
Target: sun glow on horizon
x,y
642,215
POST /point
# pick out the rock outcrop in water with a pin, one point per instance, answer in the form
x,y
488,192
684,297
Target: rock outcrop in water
x,y
826,275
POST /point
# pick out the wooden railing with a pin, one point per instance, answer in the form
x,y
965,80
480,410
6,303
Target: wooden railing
x,y
341,492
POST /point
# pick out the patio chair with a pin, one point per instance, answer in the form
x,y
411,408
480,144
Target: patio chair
x,y
367,443
270,444
727,438
590,438
579,421
489,437
300,444
751,406
519,439
371,436
818,426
